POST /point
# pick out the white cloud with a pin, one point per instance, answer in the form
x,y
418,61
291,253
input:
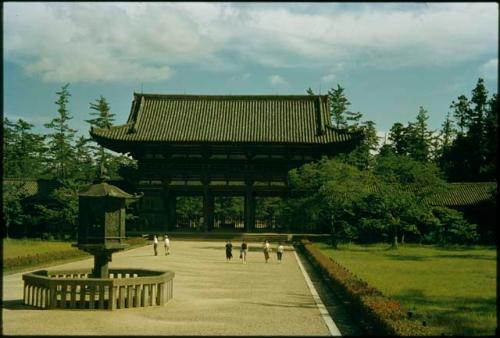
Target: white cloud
x,y
489,70
277,80
145,41
329,78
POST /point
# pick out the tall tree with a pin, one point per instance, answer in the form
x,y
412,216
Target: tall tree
x,y
103,119
60,140
472,154
338,107
12,209
23,150
491,137
477,128
362,157
84,166
398,138
446,138
462,112
420,137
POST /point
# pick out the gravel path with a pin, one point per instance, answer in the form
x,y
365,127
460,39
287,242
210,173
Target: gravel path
x,y
211,297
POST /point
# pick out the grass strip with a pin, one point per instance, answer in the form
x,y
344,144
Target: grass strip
x,y
378,314
452,288
47,253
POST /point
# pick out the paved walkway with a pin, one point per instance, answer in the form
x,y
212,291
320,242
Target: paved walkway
x,y
211,297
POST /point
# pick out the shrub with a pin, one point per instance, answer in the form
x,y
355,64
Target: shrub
x,y
380,314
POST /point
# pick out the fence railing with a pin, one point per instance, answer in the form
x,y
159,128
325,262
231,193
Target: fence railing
x,y
76,289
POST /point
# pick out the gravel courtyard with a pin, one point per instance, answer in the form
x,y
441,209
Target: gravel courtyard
x,y
211,297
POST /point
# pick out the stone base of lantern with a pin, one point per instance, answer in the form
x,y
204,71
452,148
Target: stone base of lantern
x,y
77,289
102,256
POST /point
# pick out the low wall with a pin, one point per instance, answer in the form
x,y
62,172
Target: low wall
x,y
75,289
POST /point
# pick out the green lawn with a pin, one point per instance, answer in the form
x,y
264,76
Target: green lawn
x,y
23,247
452,289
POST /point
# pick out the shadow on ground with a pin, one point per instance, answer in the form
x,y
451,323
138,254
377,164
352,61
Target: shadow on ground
x,y
17,304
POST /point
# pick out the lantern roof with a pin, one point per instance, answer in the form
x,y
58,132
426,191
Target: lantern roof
x,y
104,189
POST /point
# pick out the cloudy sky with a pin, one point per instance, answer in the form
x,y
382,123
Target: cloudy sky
x,y
391,58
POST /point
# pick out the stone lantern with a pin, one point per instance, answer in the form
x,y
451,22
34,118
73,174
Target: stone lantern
x,y
101,228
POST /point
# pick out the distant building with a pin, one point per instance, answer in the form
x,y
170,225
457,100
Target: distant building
x,y
203,145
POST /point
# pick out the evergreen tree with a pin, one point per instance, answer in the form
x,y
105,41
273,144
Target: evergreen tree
x,y
13,214
103,119
491,138
472,155
9,144
362,157
476,132
446,138
398,138
420,137
60,149
338,107
462,112
23,150
85,169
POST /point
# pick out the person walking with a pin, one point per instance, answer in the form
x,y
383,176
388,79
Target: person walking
x,y
166,241
280,251
229,251
155,245
267,249
243,252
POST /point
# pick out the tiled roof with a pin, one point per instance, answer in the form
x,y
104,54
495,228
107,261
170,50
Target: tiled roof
x,y
456,194
212,118
462,194
34,188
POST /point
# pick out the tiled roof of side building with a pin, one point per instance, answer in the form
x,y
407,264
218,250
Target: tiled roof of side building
x,y
458,194
33,188
214,118
465,193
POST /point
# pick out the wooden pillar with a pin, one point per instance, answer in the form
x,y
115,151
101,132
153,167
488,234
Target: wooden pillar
x,y
208,209
170,205
249,208
171,211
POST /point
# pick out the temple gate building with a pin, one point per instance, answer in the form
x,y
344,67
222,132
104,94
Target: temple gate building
x,y
211,145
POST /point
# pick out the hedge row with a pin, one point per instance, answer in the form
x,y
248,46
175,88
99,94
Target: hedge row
x,y
34,259
379,314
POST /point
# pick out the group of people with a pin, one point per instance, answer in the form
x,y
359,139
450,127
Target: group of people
x,y
166,244
266,248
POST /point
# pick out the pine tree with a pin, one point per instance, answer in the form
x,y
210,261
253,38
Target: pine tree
x,y
446,138
477,129
60,140
23,150
421,137
103,119
397,136
491,138
338,107
462,112
85,169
